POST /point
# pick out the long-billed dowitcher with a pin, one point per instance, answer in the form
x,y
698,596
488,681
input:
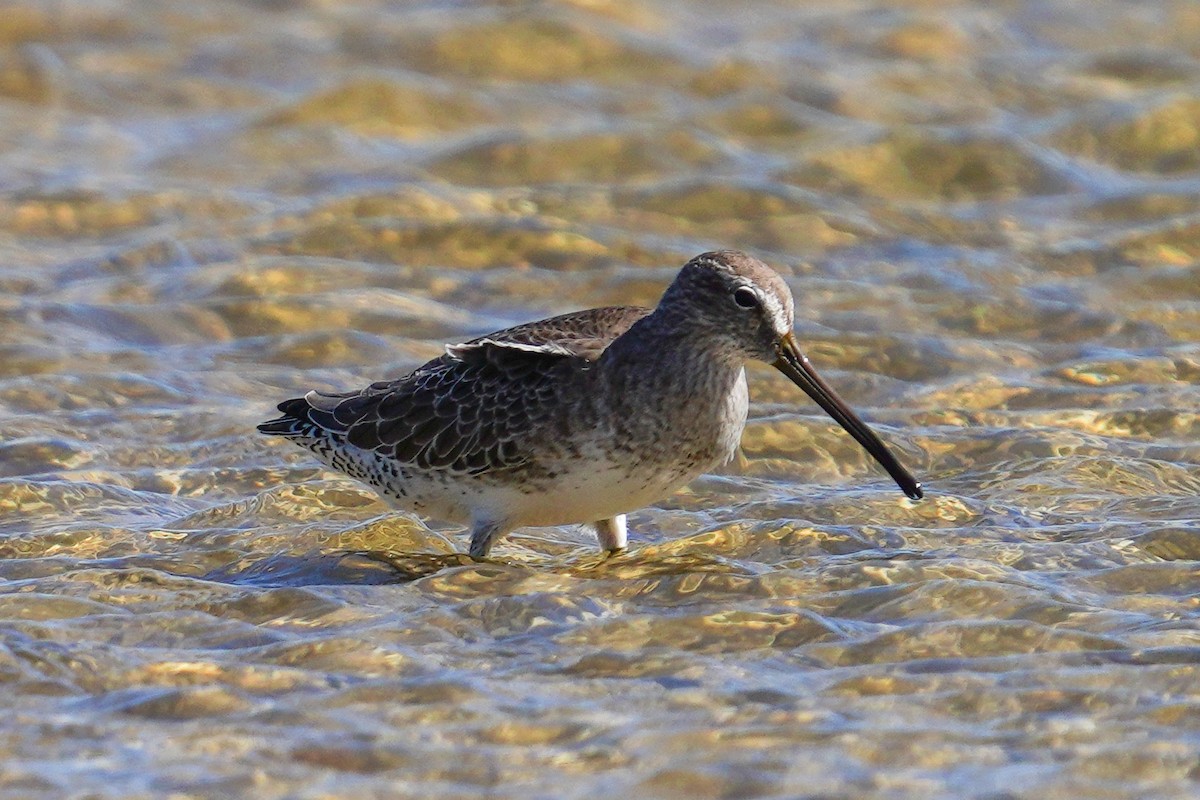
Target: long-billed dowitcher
x,y
579,418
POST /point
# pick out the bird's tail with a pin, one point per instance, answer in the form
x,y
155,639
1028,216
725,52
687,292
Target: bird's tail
x,y
309,416
294,422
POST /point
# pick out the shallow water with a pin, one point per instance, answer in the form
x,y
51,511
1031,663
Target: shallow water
x,y
990,215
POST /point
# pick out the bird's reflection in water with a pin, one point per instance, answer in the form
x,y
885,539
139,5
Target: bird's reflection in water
x,y
406,566
376,567
337,567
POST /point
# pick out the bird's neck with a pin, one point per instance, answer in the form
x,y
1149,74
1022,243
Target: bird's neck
x,y
664,384
660,351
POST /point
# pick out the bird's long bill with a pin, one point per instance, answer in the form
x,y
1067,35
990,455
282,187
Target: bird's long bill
x,y
795,365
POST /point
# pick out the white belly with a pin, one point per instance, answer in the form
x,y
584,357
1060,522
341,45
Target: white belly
x,y
601,491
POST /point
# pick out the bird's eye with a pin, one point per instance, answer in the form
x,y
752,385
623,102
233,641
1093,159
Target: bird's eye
x,y
745,298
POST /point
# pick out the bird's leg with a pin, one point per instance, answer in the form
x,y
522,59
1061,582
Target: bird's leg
x,y
484,535
611,532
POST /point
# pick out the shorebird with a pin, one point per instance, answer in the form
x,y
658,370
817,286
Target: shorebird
x,y
579,418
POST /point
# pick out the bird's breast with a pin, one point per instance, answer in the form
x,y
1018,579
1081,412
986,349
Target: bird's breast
x,y
686,421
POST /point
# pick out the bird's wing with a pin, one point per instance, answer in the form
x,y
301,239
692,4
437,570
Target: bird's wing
x,y
582,333
472,409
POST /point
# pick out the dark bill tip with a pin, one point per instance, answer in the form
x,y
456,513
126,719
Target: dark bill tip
x,y
795,365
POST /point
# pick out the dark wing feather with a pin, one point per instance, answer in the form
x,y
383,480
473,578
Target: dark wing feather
x,y
471,409
582,333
